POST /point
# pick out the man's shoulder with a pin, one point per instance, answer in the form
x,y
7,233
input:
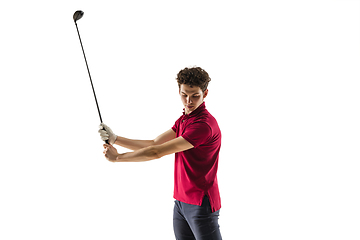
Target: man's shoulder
x,y
208,118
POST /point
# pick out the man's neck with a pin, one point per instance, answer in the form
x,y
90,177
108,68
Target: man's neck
x,y
187,113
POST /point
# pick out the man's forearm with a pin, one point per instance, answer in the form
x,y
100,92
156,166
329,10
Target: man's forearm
x,y
141,155
133,144
152,152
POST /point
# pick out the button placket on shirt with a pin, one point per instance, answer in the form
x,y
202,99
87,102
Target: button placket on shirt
x,y
183,122
186,117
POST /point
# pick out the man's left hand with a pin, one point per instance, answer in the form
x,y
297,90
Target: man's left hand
x,y
110,153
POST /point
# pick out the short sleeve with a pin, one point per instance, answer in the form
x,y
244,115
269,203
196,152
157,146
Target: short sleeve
x,y
197,133
175,128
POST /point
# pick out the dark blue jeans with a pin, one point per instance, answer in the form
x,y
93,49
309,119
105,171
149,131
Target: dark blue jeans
x,y
192,222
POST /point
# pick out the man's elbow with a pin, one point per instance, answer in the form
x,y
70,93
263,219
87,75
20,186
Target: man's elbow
x,y
154,152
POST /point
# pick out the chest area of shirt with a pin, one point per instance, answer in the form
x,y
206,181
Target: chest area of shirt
x,y
184,122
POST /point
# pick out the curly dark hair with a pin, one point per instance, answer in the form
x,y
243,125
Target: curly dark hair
x,y
195,76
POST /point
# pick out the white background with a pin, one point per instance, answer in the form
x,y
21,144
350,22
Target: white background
x,y
285,91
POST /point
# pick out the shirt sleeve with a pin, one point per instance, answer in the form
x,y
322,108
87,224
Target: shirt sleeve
x,y
176,126
197,133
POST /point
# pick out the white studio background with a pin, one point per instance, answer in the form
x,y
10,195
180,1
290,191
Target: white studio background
x,y
285,91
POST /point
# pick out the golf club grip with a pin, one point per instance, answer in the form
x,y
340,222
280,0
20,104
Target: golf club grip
x,y
106,141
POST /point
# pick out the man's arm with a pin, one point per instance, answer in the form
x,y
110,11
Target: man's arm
x,y
139,144
151,152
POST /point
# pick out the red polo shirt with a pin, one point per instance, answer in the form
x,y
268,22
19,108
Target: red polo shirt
x,y
196,168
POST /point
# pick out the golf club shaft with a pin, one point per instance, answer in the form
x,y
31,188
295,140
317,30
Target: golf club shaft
x,y
87,66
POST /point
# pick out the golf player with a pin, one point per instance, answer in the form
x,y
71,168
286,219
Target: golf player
x,y
195,138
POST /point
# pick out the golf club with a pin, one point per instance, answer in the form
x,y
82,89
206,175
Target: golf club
x,y
77,16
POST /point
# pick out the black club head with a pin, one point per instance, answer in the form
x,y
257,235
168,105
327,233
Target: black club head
x,y
78,15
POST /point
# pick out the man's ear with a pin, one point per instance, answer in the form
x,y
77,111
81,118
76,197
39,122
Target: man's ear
x,y
206,93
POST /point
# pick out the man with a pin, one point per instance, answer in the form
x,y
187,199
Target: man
x,y
195,139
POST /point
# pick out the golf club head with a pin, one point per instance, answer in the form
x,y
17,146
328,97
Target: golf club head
x,y
78,15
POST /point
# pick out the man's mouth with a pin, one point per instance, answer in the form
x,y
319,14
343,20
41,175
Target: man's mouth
x,y
189,106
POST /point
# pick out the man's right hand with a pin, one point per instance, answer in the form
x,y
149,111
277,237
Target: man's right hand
x,y
106,133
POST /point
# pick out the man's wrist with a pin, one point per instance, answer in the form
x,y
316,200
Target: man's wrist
x,y
115,139
119,157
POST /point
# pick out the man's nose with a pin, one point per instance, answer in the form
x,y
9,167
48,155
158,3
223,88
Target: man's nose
x,y
188,100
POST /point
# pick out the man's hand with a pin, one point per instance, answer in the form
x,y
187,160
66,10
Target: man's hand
x,y
110,153
106,133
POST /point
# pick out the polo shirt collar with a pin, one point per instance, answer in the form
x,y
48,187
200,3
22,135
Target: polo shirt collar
x,y
196,112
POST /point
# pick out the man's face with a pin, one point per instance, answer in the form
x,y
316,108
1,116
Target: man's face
x,y
191,97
